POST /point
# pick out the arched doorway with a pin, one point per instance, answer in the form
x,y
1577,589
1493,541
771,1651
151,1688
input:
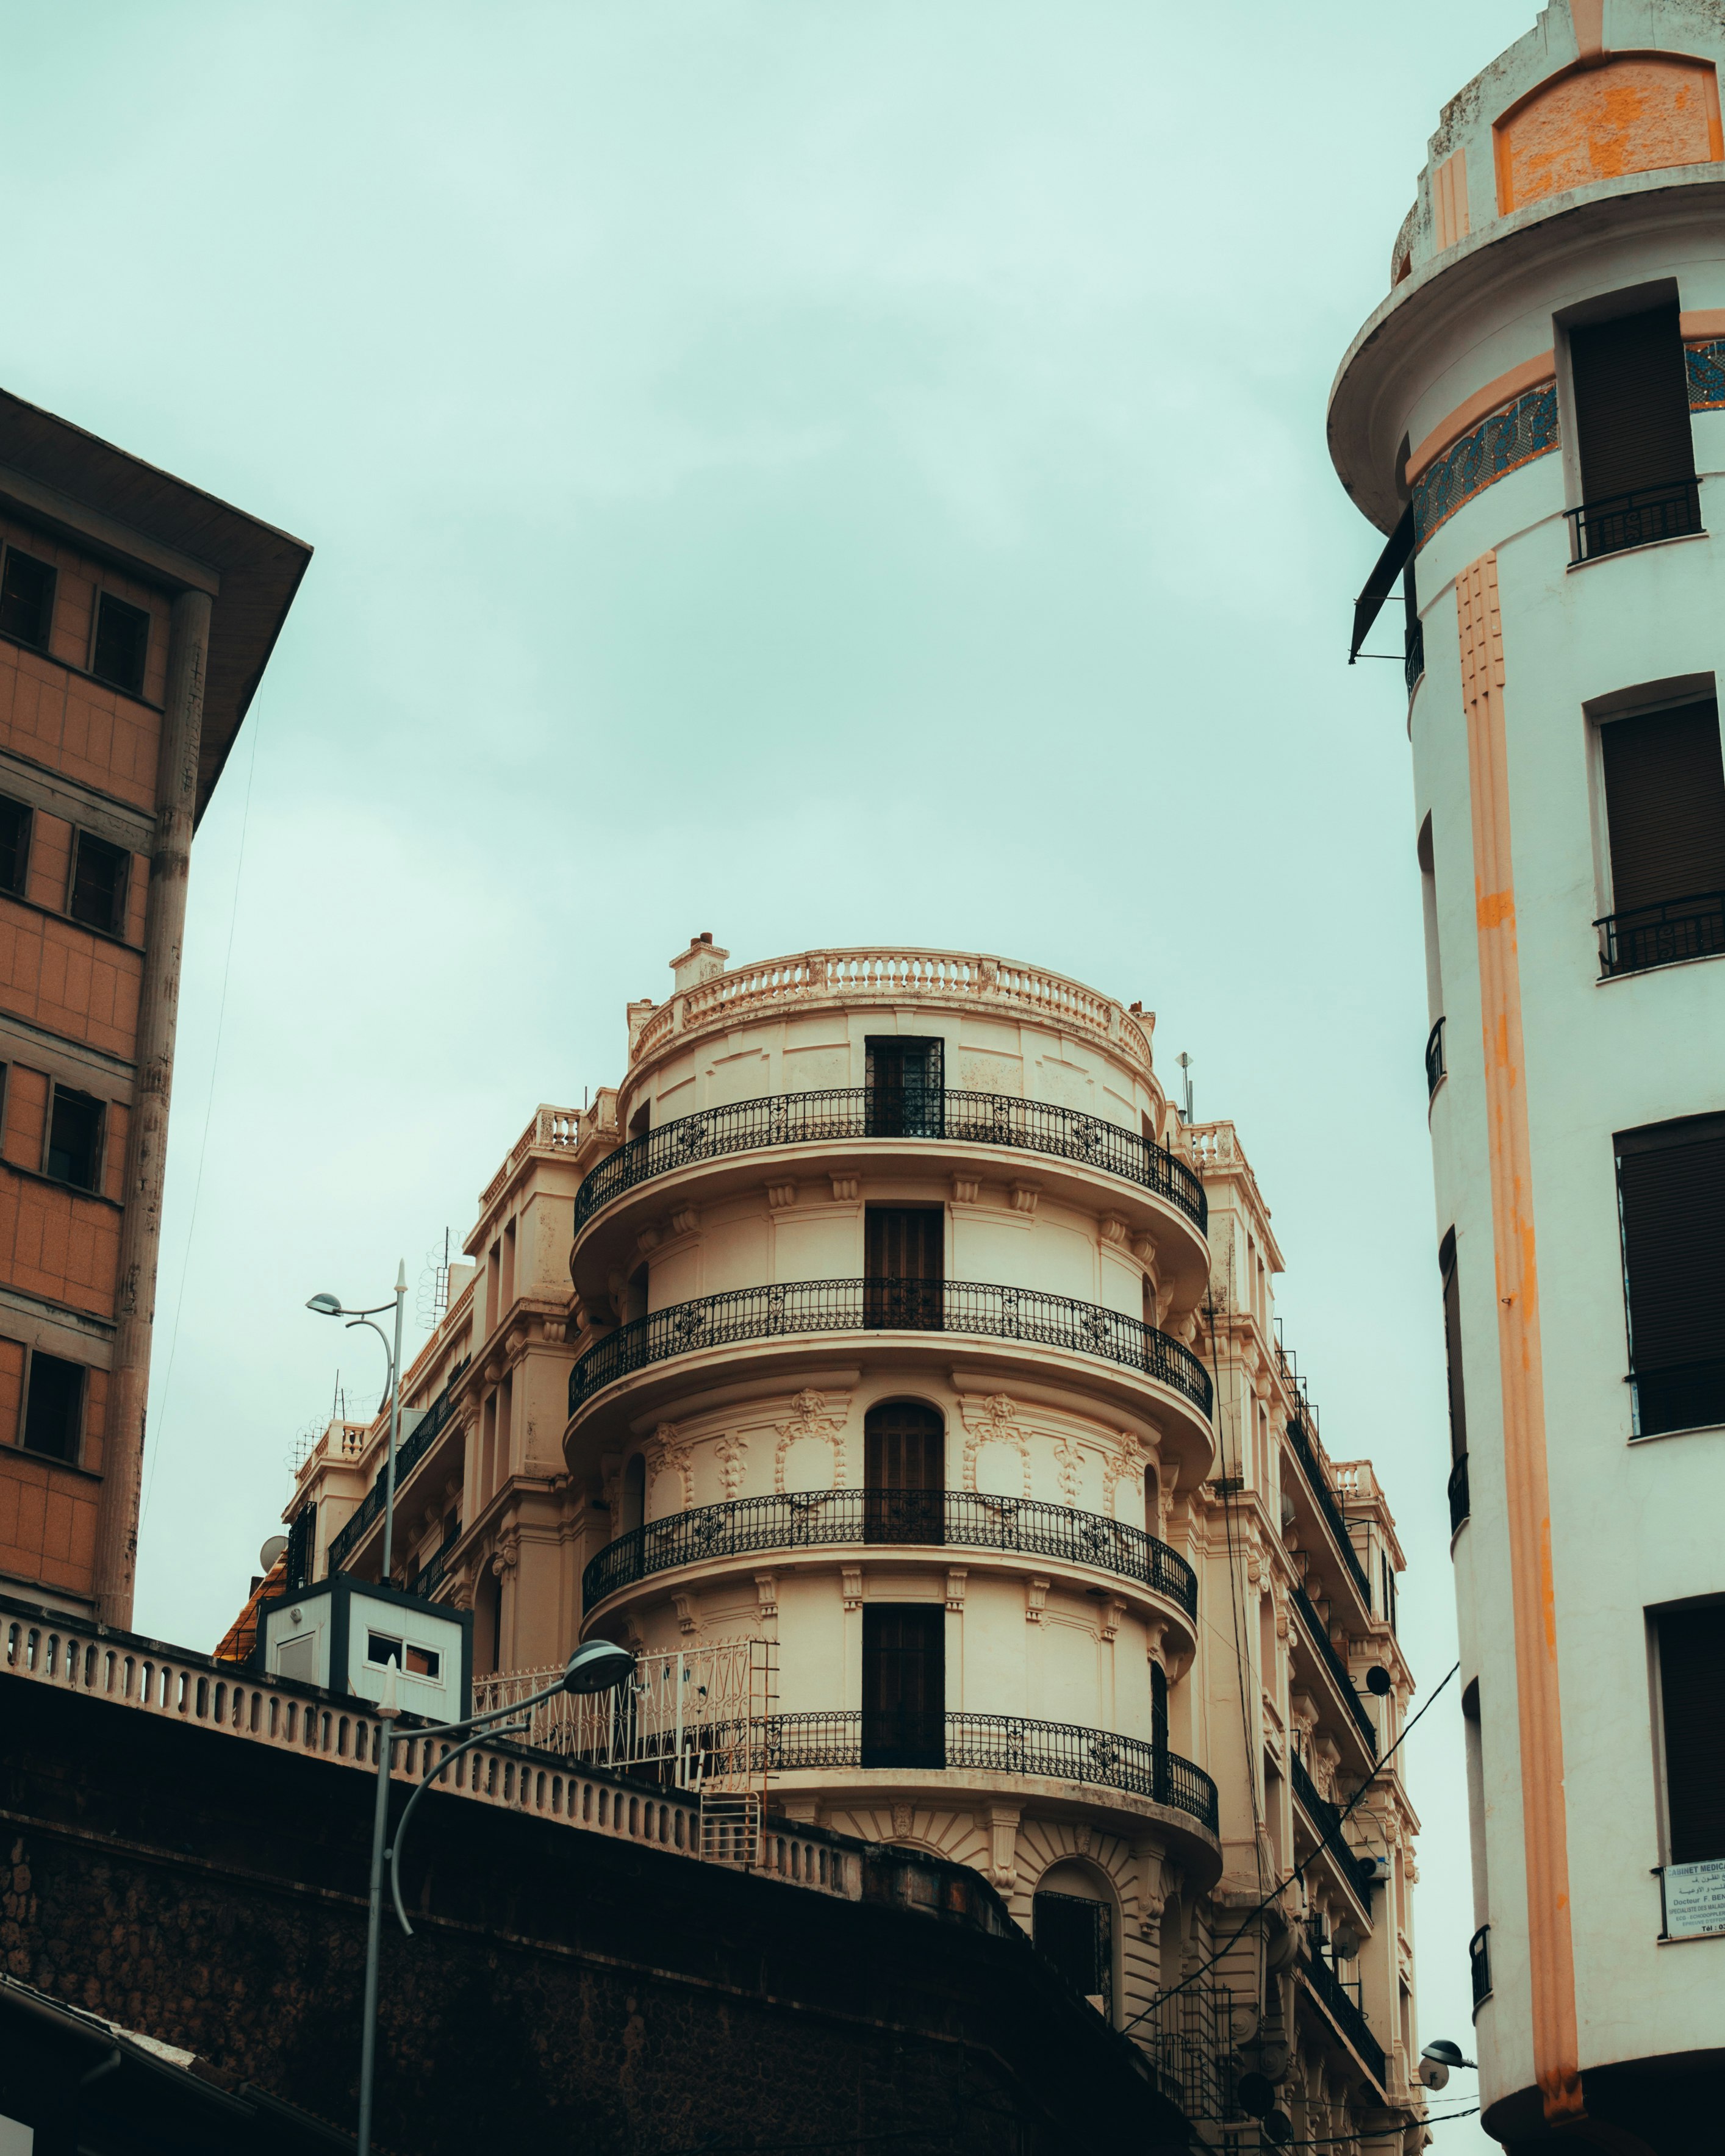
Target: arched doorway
x,y
1072,1921
904,1473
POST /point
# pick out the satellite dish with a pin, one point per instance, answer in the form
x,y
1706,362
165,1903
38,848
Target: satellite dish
x,y
1433,2074
271,1550
1279,2128
1377,1681
1256,2095
1346,1943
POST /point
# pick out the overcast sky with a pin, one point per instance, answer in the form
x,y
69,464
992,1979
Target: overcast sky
x,y
822,473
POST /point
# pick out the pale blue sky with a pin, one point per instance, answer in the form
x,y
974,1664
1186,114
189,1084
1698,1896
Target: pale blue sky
x,y
818,474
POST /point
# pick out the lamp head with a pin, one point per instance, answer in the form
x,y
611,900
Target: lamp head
x,y
597,1666
1445,2053
326,1306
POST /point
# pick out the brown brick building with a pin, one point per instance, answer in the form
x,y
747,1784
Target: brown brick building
x,y
137,615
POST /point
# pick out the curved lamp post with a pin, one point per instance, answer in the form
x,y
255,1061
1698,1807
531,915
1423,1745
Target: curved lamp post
x,y
597,1666
330,1306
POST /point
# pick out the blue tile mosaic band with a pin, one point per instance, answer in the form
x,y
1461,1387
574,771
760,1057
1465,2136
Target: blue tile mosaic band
x,y
1512,436
1706,366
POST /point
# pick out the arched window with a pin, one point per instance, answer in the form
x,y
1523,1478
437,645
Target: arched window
x,y
632,1510
904,1473
1072,1923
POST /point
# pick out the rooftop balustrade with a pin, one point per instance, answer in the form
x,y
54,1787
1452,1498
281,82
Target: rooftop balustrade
x,y
966,1519
797,1308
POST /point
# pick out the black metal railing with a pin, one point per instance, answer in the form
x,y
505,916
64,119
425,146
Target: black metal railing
x,y
962,1519
1319,1633
301,1540
1636,519
1434,1067
1344,2010
864,1111
1661,935
1678,1396
797,1308
1003,1745
1458,1493
1414,654
1324,1815
411,1451
1479,1965
1306,1452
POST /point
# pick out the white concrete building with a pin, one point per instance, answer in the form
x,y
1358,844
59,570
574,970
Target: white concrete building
x,y
1535,415
914,1339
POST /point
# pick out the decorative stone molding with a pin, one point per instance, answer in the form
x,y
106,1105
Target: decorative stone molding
x,y
809,1419
1124,1461
901,1822
1036,1600
647,1238
967,1189
995,1416
507,1553
781,1194
666,1451
688,1616
1002,1844
955,1590
850,1580
1067,1454
1158,1877
1024,1196
1114,1620
766,1595
685,1221
1113,1230
846,1189
730,1452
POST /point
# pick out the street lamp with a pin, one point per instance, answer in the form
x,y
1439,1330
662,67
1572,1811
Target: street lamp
x,y
1436,2060
598,1666
330,1306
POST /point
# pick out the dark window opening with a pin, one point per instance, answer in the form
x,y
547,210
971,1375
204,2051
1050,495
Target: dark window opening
x,y
1692,1682
53,1413
14,844
1158,1710
98,885
904,1701
1665,811
1670,1187
641,1122
1631,391
1077,1935
904,1451
904,1079
26,599
904,1266
380,1649
122,641
75,1138
1459,1504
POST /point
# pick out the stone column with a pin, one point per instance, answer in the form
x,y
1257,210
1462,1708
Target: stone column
x,y
147,1146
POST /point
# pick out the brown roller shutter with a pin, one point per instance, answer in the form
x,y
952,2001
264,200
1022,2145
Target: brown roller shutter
x,y
1670,1179
904,1265
1631,403
904,1687
1691,1684
1665,803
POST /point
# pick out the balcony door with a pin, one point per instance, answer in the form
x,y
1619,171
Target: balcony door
x,y
904,1266
906,1079
904,1684
905,1466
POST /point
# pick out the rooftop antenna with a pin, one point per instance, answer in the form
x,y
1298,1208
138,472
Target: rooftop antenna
x,y
433,1302
1185,1064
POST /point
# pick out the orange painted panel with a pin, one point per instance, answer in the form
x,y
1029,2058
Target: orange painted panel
x,y
1641,112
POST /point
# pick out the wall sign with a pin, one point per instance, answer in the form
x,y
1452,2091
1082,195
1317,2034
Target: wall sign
x,y
1694,1899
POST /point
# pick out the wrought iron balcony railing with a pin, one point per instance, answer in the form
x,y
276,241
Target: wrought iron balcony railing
x,y
959,1519
797,1308
1319,1633
413,1450
861,1111
1645,936
1318,1482
1479,1965
1617,521
1458,1493
1324,1815
1435,1066
1414,654
1345,2011
991,1743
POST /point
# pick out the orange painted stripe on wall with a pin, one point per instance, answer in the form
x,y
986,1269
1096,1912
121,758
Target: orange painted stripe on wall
x,y
1551,1955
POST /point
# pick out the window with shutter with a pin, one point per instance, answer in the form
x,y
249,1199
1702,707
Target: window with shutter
x,y
904,1266
904,1455
14,844
1691,1689
1076,1934
122,643
905,1080
26,599
1632,397
1670,1187
54,1409
1665,812
904,1684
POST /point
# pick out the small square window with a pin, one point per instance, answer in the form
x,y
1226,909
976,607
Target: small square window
x,y
14,843
75,1138
54,1412
380,1648
421,1662
98,885
26,599
122,641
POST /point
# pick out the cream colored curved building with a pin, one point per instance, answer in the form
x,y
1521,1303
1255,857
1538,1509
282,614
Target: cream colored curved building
x,y
914,1337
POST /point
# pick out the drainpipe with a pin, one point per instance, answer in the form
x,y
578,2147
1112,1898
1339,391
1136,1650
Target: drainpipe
x,y
146,1143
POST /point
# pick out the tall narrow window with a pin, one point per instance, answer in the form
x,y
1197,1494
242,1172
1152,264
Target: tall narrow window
x,y
1692,1685
1665,810
904,1266
904,1453
122,643
53,1410
1457,1387
75,1138
26,599
904,1684
99,878
1632,418
1077,1933
905,1078
1670,1190
14,844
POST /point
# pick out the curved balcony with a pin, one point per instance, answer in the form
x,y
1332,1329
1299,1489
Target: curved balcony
x,y
844,1114
990,1744
803,1309
953,1519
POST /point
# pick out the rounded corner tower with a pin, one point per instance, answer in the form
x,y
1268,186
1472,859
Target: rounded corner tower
x,y
1535,418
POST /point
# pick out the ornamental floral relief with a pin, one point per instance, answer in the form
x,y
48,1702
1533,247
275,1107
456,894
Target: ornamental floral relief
x,y
667,1452
809,1419
994,1421
731,1452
